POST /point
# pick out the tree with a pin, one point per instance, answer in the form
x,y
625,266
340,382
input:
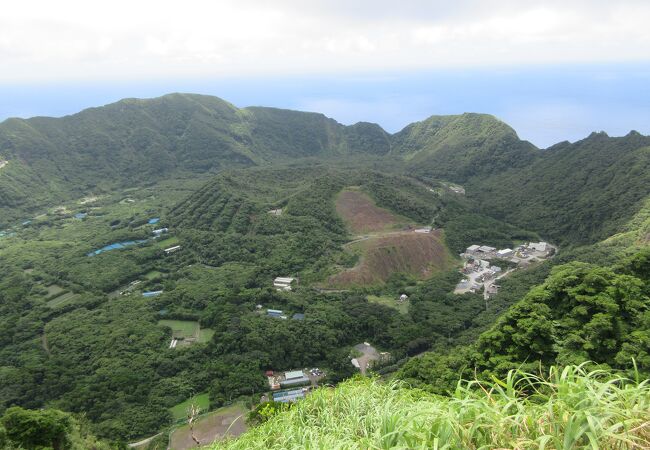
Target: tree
x,y
43,428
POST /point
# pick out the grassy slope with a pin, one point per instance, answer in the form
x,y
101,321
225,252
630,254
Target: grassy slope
x,y
179,411
571,409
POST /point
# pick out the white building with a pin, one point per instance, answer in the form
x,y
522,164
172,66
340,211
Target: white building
x,y
538,246
283,283
173,249
505,253
472,248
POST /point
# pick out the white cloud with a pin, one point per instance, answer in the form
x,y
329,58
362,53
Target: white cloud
x,y
74,39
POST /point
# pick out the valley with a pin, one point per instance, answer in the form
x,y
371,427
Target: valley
x,y
128,295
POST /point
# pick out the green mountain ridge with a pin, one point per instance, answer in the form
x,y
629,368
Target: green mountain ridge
x,y
137,142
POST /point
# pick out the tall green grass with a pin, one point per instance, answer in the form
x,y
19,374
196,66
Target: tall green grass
x,y
570,408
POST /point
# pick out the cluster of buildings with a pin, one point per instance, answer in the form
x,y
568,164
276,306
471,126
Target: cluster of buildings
x,y
292,385
481,274
291,378
522,253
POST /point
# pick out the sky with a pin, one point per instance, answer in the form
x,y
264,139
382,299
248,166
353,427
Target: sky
x,y
554,70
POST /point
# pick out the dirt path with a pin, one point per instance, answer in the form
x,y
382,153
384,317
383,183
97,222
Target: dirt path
x,y
144,441
379,235
46,346
369,354
486,296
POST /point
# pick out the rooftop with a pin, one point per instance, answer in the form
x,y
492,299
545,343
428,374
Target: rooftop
x,y
293,374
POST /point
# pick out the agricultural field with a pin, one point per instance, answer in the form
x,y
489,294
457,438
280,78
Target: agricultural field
x,y
187,332
62,300
229,421
202,401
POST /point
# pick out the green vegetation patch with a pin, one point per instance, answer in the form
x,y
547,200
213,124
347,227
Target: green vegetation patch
x,y
202,401
152,274
54,289
182,328
205,335
166,243
390,302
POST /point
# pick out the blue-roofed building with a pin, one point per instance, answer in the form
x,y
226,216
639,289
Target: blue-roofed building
x,y
289,396
298,316
154,221
274,312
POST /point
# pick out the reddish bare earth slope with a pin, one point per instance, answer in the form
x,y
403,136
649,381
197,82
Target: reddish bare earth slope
x,y
385,251
361,215
407,252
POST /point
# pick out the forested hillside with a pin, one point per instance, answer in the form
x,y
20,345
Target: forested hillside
x,y
138,142
458,148
573,193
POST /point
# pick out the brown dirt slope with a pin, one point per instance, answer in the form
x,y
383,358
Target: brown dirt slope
x,y
361,215
418,254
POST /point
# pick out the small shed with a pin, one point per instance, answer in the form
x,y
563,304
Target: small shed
x,y
173,249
